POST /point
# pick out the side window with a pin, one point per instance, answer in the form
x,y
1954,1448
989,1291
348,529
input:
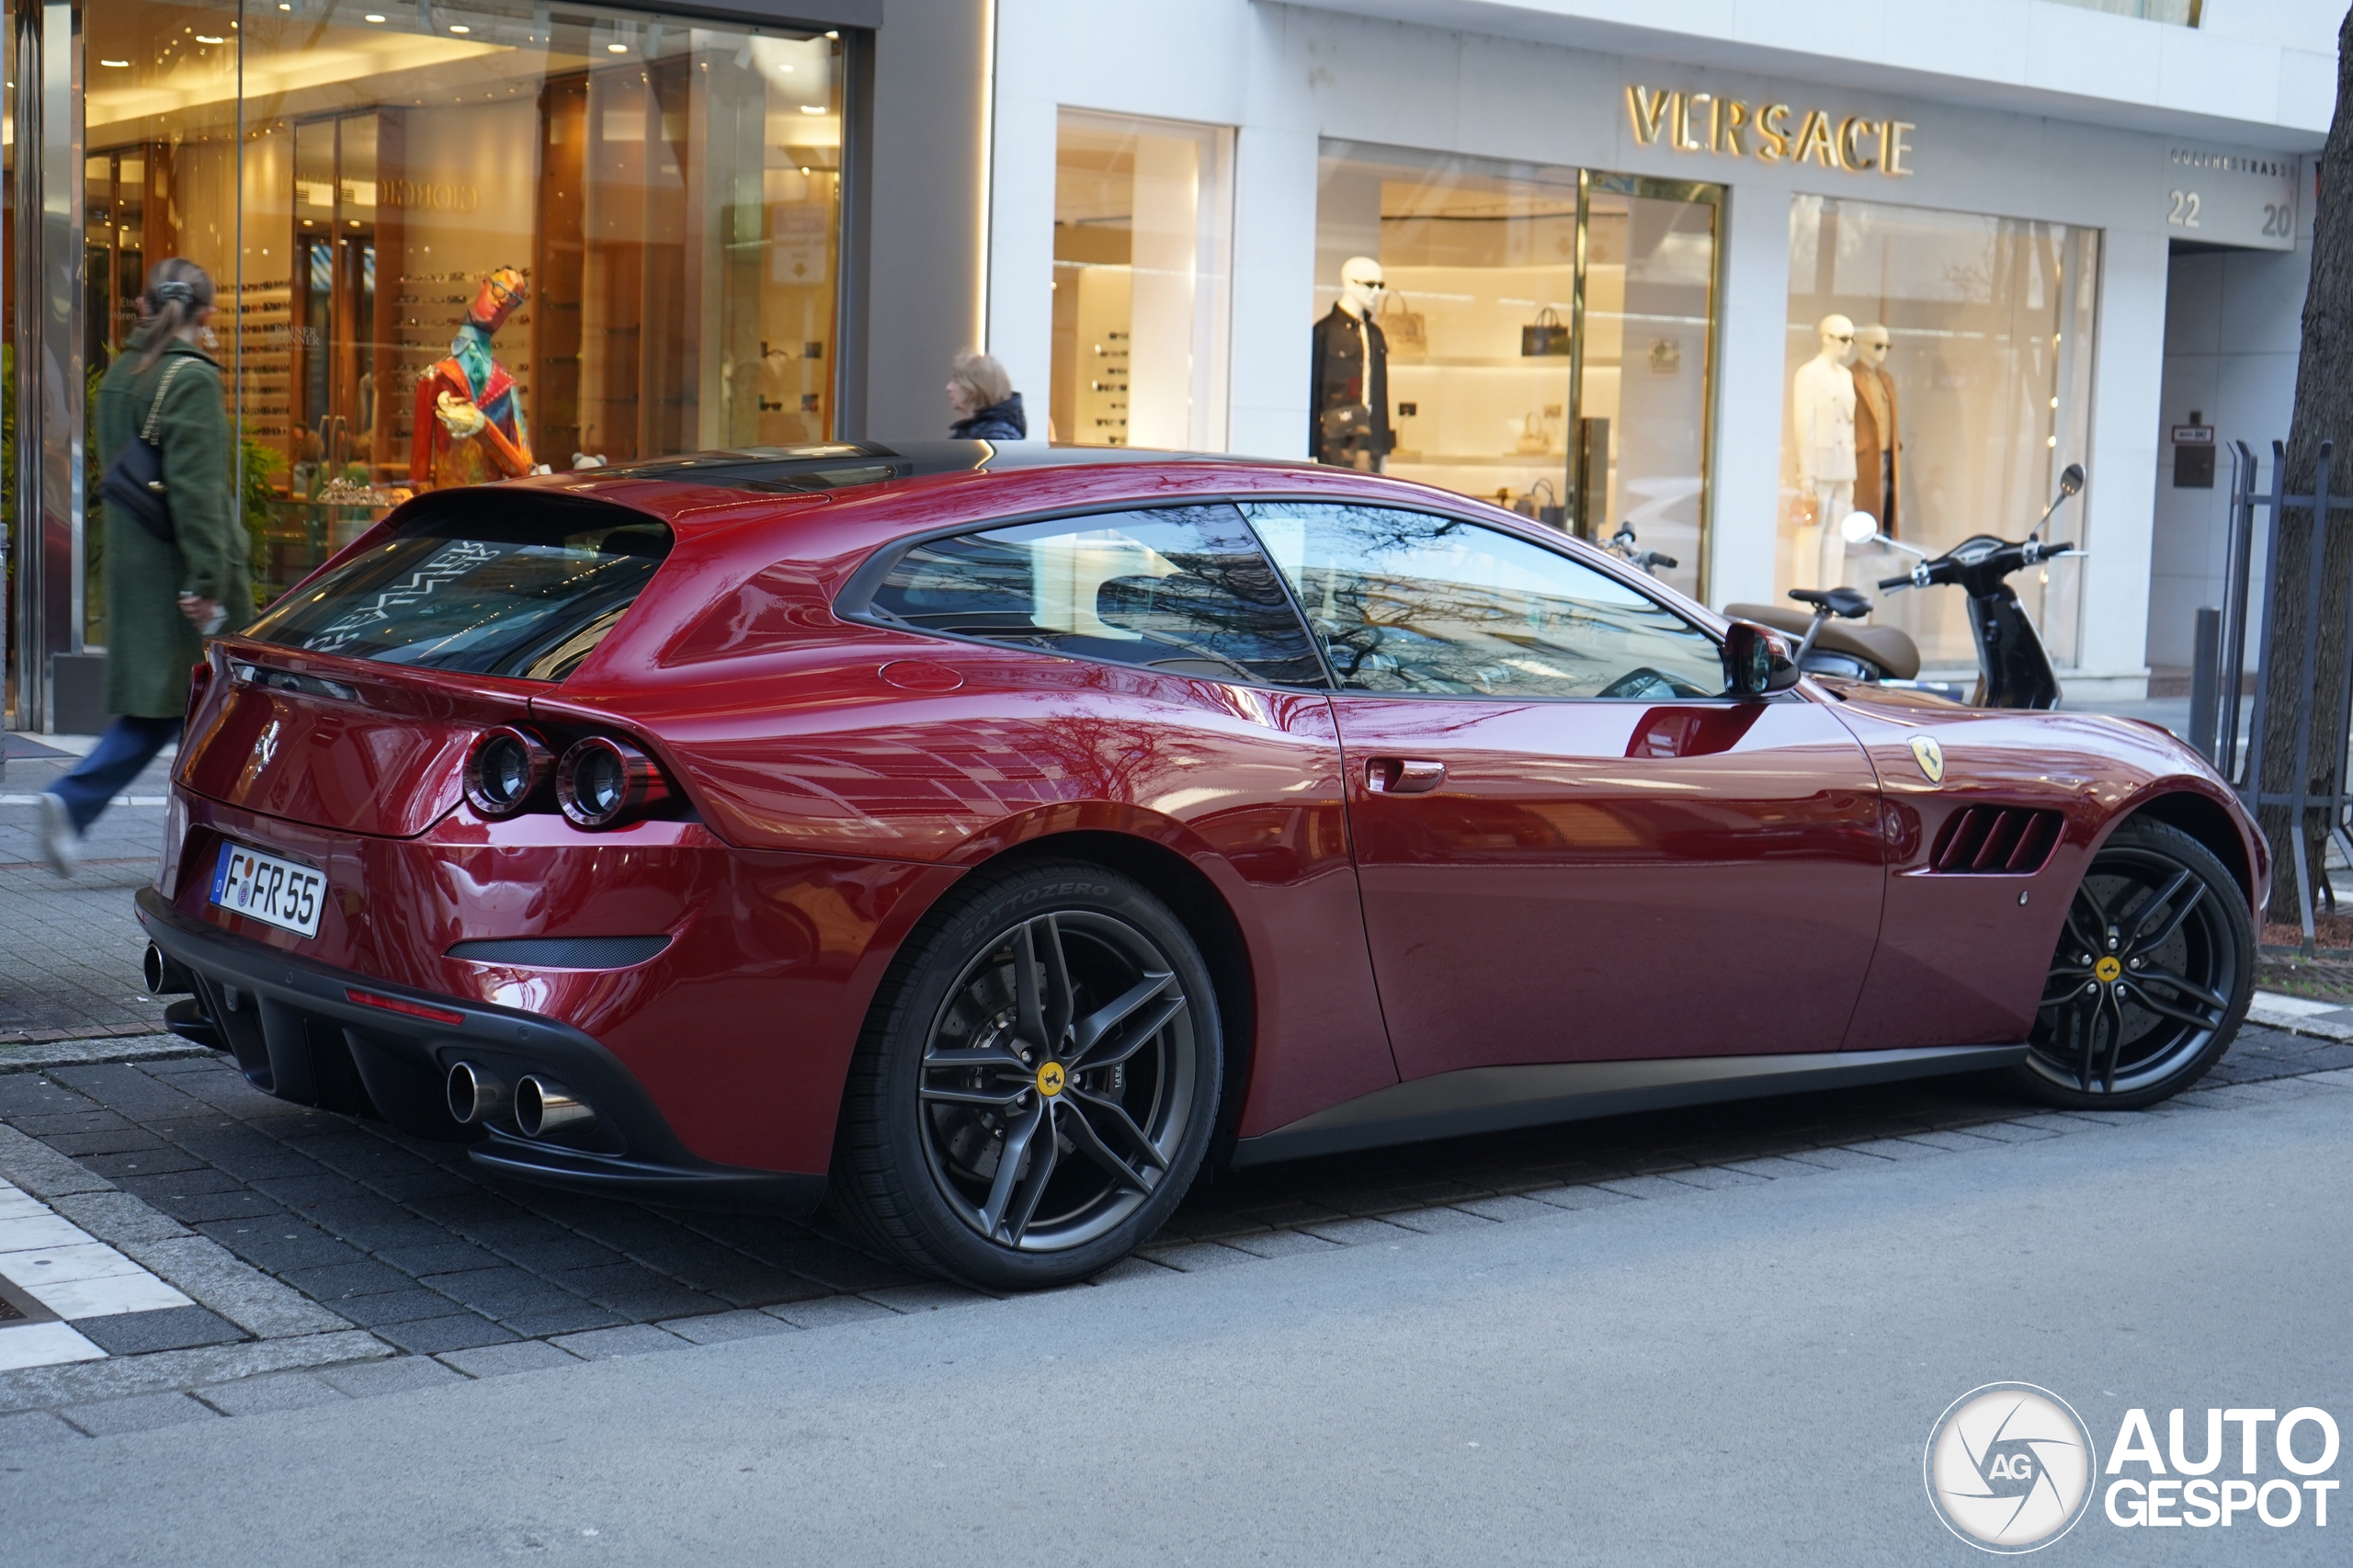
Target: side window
x,y
1179,588
1409,602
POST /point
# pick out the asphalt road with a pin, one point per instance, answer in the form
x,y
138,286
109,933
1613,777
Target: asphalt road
x,y
1746,1375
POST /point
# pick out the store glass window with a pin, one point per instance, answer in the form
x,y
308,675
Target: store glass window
x,y
1939,378
1645,364
456,243
1538,336
1139,283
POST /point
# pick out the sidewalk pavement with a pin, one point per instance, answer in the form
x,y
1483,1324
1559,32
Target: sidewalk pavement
x,y
73,949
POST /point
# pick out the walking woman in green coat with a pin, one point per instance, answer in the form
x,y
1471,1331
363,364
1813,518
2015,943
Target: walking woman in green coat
x,y
163,599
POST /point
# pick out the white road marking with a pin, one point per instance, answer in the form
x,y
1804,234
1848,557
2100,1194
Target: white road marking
x,y
72,1274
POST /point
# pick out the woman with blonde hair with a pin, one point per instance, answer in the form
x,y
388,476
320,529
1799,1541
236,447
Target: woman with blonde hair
x,y
987,406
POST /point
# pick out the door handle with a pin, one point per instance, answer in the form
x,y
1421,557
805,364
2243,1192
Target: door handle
x,y
1403,774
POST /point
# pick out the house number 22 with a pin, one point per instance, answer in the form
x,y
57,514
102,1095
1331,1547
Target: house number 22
x,y
2185,209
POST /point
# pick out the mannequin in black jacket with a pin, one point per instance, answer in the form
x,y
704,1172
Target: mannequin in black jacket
x,y
1349,400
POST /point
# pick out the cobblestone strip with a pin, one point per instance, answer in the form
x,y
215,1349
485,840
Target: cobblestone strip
x,y
1236,1222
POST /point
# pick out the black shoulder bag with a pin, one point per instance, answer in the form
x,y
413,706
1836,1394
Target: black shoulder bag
x,y
134,481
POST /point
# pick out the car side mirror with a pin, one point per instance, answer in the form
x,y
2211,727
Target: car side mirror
x,y
1757,661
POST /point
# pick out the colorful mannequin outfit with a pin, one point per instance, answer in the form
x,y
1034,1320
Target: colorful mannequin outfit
x,y
438,459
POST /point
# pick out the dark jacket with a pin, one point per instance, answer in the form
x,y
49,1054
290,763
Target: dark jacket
x,y
149,644
1348,406
997,422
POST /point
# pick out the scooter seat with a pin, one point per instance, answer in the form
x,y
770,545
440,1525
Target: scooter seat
x,y
1885,646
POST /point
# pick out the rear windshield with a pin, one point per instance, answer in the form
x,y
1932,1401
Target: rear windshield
x,y
529,591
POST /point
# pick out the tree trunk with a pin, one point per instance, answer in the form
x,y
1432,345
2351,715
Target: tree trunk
x,y
2323,413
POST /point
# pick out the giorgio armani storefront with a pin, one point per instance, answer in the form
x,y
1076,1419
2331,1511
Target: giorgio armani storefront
x,y
628,224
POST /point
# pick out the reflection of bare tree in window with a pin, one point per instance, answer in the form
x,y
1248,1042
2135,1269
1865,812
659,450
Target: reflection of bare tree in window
x,y
1382,592
1193,594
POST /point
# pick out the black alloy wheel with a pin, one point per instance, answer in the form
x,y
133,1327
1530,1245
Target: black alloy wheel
x,y
1037,1082
2155,970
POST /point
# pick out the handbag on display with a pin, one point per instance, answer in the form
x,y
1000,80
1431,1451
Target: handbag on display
x,y
1348,425
1534,440
1541,503
1543,337
1406,332
134,481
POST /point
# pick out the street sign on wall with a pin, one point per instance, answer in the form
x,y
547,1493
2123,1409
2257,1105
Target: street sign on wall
x,y
2222,196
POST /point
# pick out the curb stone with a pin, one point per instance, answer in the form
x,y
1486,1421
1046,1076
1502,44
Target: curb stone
x,y
77,1382
54,1047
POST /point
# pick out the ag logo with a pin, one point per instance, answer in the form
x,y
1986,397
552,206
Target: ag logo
x,y
1931,757
2009,1467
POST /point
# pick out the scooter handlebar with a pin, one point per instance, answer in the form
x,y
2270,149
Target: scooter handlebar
x,y
1902,582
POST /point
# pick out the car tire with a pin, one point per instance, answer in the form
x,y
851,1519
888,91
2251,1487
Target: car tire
x,y
1098,1081
2152,977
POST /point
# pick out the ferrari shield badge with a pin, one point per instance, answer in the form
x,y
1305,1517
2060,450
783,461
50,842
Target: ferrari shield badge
x,y
1931,757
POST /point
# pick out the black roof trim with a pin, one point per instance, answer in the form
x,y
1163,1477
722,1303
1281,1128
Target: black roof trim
x,y
841,465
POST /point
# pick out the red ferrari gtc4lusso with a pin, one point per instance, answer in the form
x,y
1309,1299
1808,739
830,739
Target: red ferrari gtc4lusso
x,y
982,839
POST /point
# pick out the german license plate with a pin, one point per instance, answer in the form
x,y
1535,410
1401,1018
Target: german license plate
x,y
265,888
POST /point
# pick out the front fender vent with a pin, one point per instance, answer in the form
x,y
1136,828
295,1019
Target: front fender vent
x,y
2011,840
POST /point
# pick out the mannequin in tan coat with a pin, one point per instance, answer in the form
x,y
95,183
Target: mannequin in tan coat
x,y
1878,454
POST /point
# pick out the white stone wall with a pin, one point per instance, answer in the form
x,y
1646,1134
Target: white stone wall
x,y
2233,323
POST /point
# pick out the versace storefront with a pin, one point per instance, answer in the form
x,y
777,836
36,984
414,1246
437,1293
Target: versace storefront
x,y
453,244
1720,306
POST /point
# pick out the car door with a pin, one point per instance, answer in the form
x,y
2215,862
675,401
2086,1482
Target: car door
x,y
1571,846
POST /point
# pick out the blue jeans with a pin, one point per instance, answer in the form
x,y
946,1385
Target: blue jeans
x,y
120,755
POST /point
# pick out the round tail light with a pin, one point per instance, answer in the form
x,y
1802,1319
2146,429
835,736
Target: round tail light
x,y
507,768
603,782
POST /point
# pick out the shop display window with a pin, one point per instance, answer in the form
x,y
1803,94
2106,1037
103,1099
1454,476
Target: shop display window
x,y
1139,283
456,243
1939,378
1538,336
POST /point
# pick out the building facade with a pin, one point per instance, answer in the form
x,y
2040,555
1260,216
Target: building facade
x,y
2073,229
1574,257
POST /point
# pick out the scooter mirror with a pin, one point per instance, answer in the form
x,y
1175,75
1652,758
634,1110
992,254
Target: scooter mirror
x,y
1859,528
2071,479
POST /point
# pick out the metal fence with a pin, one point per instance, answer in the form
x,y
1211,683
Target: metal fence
x,y
2215,692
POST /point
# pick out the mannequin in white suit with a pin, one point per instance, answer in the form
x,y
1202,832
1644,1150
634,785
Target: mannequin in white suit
x,y
1821,403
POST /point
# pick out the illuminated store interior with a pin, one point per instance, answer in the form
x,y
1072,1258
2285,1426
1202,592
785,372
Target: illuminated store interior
x,y
658,198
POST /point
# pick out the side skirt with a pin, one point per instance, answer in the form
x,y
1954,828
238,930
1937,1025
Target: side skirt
x,y
1498,1099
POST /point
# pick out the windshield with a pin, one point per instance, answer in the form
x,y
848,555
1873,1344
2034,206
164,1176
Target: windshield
x,y
528,593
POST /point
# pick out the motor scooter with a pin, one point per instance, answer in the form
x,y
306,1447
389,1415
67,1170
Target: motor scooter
x,y
2014,668
1622,545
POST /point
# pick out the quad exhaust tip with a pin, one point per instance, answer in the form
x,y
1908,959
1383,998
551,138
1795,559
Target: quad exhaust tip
x,y
543,1107
477,1094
